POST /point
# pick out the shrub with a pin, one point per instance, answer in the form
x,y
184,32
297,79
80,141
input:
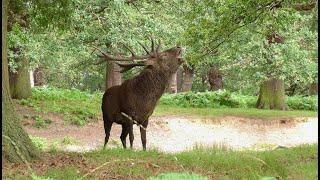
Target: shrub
x,y
303,103
220,99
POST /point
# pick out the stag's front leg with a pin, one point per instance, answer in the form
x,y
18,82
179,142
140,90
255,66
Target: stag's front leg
x,y
124,134
144,134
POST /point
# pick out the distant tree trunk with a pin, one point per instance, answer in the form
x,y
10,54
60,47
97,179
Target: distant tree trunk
x,y
113,75
172,87
15,141
38,77
313,90
179,79
20,81
272,95
272,92
215,79
31,78
187,79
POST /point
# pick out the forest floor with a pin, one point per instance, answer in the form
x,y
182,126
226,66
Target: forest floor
x,y
168,137
172,134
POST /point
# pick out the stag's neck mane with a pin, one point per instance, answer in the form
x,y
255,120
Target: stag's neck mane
x,y
151,83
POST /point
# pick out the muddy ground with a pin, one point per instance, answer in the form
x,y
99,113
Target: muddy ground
x,y
177,133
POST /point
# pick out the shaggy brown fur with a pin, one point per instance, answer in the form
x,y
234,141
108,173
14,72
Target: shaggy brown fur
x,y
137,97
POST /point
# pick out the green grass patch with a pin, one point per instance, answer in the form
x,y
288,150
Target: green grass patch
x,y
39,142
63,173
40,122
239,112
68,140
293,163
177,176
76,106
289,163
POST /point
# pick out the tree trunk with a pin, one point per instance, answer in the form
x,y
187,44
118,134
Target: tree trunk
x,y
20,81
38,77
272,95
113,75
313,89
172,88
16,143
215,79
31,79
187,79
179,80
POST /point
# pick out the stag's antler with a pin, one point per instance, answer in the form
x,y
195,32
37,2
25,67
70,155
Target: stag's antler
x,y
153,53
135,59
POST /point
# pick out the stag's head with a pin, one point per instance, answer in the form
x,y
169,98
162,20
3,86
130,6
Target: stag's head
x,y
167,61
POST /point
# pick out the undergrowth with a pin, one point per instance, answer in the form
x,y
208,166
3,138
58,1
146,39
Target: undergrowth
x,y
79,107
226,99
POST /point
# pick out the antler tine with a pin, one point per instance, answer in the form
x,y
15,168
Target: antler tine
x,y
159,46
127,67
128,48
152,44
144,48
112,58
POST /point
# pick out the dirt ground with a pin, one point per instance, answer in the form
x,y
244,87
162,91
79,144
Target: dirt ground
x,y
175,133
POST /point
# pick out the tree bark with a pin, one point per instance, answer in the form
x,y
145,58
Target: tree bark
x,y
20,86
179,80
187,79
38,77
31,78
313,89
16,143
113,75
215,79
272,95
172,88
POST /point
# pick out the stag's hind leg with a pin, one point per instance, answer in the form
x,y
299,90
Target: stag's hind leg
x,y
144,134
131,136
107,129
124,134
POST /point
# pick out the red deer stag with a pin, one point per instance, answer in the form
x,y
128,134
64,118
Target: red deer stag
x,y
135,99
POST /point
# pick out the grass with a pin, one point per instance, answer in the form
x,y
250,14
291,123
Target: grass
x,y
293,163
240,112
76,107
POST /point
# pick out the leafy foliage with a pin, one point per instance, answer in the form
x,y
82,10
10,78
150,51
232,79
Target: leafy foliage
x,y
222,99
238,30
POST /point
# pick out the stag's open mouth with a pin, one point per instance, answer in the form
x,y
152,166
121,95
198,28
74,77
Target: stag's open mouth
x,y
179,52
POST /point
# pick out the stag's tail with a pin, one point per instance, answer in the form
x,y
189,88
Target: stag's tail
x,y
107,128
106,120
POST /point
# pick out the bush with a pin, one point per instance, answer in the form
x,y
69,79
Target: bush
x,y
303,103
216,99
223,98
